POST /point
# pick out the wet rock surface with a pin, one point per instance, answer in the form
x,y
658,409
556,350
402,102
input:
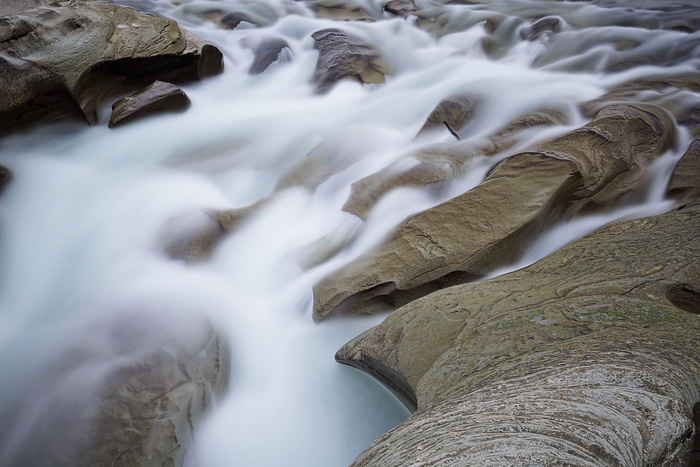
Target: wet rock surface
x,y
451,114
685,180
462,239
130,392
65,56
268,52
540,28
584,358
588,357
344,10
234,19
402,8
160,97
343,56
436,164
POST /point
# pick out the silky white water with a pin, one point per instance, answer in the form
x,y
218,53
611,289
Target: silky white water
x,y
82,222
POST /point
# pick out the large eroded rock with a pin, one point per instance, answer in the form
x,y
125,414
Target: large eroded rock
x,y
489,226
589,357
60,58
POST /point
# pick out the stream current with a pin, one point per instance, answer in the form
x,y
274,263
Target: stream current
x,y
82,220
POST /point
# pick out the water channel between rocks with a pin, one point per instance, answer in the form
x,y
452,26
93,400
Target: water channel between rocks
x,y
82,222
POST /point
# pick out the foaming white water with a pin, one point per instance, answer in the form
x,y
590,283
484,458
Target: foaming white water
x,y
82,221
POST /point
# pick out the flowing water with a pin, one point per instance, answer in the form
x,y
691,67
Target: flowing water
x,y
82,221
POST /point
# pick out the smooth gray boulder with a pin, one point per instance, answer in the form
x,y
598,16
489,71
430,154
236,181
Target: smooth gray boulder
x,y
442,162
234,19
655,91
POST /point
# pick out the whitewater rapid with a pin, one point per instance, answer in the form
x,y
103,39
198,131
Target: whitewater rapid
x,y
82,220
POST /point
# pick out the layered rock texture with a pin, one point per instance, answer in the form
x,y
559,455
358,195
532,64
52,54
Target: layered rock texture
x,y
489,226
59,59
588,357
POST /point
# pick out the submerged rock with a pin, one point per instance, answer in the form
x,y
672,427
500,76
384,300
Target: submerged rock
x,y
471,234
341,10
268,52
668,92
234,19
452,114
65,56
588,357
130,391
429,167
343,56
193,236
540,28
435,164
159,97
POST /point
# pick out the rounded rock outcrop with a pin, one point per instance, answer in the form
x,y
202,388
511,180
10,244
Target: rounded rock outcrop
x,y
588,357
61,58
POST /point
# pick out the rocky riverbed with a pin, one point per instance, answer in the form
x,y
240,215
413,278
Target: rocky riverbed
x,y
588,357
